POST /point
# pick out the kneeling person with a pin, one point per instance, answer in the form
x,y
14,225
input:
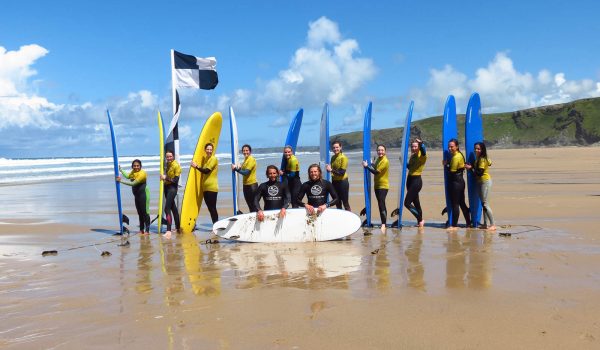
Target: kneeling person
x,y
316,190
275,194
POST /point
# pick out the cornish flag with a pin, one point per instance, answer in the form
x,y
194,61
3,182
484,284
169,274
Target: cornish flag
x,y
194,72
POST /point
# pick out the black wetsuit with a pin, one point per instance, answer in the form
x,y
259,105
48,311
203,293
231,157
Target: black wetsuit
x,y
457,194
316,192
275,194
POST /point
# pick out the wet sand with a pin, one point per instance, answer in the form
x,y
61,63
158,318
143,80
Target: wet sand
x,y
537,288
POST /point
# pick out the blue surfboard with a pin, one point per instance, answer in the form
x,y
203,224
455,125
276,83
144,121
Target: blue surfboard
x,y
449,132
324,142
473,134
234,159
292,135
367,158
116,169
405,142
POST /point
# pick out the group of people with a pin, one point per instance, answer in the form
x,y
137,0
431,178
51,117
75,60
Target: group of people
x,y
284,188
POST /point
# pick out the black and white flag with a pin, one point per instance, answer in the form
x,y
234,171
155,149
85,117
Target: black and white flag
x,y
194,72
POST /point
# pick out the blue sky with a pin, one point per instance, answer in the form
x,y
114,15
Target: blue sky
x,y
62,63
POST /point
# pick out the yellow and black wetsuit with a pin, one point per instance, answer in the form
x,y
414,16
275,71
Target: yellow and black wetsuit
x,y
484,185
173,172
414,184
141,195
456,167
339,179
381,184
209,167
292,176
248,171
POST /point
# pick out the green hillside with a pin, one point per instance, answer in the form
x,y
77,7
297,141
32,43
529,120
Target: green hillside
x,y
573,123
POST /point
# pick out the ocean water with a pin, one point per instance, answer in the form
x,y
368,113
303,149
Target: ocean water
x,y
27,171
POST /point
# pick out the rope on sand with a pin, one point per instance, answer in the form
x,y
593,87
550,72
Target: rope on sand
x,y
531,228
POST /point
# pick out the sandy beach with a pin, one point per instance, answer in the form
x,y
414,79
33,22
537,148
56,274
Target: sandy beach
x,y
533,284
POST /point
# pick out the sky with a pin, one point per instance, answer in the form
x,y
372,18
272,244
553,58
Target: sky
x,y
63,63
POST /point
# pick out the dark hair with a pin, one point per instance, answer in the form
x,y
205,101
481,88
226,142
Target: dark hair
x,y
483,149
209,144
249,148
169,151
290,147
315,165
455,142
269,167
338,142
136,161
382,145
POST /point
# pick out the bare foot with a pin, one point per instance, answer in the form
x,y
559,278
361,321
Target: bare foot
x,y
383,229
167,235
452,228
491,228
421,223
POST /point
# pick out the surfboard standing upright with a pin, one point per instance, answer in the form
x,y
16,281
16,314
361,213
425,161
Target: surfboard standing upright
x,y
324,142
449,132
116,168
234,159
404,143
367,158
473,134
292,135
161,170
193,194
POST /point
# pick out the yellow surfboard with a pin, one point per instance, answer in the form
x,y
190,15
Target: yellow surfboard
x,y
161,185
193,194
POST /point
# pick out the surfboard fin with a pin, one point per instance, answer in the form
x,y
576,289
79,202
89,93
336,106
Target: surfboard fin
x,y
125,219
395,224
364,224
444,211
363,212
233,219
239,212
395,212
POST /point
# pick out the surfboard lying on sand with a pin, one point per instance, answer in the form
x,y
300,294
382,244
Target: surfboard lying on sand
x,y
193,195
235,152
449,132
116,169
405,143
297,226
367,158
473,134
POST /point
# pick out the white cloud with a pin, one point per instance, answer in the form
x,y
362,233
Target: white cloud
x,y
325,69
280,122
502,87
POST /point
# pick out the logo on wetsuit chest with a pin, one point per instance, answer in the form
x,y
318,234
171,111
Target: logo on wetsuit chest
x,y
316,190
273,190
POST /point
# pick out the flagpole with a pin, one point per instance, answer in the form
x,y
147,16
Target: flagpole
x,y
173,93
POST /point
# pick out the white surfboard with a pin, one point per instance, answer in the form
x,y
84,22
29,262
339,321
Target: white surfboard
x,y
297,226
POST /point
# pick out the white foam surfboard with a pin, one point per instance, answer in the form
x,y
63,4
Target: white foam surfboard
x,y
297,226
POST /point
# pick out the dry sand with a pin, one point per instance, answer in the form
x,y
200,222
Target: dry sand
x,y
538,288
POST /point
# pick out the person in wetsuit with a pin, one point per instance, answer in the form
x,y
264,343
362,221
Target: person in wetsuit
x,y
171,183
339,176
291,174
137,180
455,168
484,183
275,194
380,170
316,190
209,167
415,166
248,171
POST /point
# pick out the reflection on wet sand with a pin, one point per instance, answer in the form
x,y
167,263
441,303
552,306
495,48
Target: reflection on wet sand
x,y
468,260
205,279
144,266
415,269
300,265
